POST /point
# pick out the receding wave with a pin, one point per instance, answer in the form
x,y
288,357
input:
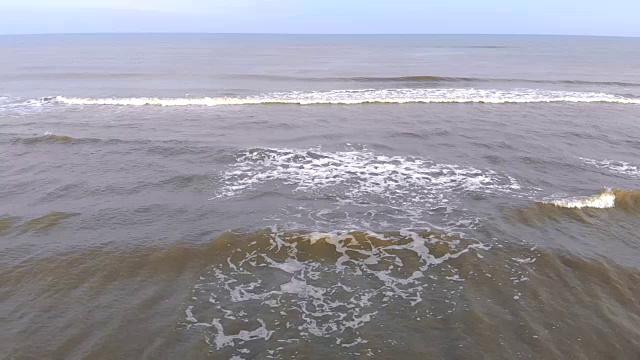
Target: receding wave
x,y
364,96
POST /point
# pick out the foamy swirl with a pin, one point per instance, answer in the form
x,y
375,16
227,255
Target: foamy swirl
x,y
614,166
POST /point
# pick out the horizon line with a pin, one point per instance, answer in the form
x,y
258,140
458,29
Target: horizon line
x,y
311,34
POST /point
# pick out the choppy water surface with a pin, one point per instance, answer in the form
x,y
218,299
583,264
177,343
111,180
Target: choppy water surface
x,y
256,197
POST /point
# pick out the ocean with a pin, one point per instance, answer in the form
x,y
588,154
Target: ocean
x,y
319,197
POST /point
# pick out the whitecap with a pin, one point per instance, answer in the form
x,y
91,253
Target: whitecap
x,y
604,200
363,96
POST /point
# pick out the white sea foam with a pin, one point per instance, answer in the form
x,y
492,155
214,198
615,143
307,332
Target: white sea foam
x,y
391,188
321,284
614,166
221,340
370,96
604,200
189,314
11,104
361,174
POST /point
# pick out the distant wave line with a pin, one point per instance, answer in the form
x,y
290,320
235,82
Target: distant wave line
x,y
430,78
270,77
348,97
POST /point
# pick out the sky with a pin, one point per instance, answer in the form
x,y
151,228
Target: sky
x,y
585,17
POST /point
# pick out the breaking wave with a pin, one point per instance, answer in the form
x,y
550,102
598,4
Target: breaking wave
x,y
604,200
582,209
609,198
364,96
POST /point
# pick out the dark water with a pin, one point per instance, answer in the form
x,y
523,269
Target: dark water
x,y
330,197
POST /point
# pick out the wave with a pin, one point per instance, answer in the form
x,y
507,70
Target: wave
x,y
165,148
583,209
604,200
628,200
6,223
337,293
431,78
365,96
45,222
357,79
415,78
609,198
50,138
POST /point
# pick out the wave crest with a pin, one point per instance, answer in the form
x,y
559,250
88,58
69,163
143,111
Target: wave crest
x,y
48,138
604,200
610,198
584,209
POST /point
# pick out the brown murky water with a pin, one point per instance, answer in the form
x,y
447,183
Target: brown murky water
x,y
257,197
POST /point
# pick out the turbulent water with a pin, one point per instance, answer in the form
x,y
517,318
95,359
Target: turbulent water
x,y
329,197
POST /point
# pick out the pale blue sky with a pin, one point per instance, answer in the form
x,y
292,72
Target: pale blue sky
x,y
585,17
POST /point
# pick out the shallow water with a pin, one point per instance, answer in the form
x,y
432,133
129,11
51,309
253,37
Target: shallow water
x,y
209,196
